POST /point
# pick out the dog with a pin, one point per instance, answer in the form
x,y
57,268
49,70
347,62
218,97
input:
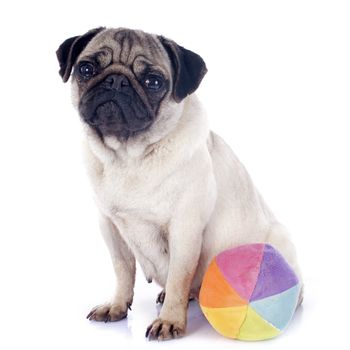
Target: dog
x,y
171,193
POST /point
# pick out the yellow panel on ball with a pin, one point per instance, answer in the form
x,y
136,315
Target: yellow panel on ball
x,y
227,320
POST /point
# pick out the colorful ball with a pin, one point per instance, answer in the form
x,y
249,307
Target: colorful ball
x,y
249,292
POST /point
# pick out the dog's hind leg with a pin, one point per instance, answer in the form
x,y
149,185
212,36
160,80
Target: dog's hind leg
x,y
278,237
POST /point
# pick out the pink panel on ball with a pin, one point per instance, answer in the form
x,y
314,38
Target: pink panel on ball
x,y
241,267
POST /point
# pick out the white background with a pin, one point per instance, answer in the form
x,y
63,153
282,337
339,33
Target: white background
x,y
277,90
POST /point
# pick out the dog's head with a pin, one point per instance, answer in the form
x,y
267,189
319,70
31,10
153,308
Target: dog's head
x,y
125,80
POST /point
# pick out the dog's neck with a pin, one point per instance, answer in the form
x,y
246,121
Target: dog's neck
x,y
189,129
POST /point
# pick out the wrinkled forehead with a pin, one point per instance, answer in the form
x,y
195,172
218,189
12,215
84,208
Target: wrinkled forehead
x,y
132,48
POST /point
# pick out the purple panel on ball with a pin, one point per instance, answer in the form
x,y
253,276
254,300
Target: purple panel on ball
x,y
275,275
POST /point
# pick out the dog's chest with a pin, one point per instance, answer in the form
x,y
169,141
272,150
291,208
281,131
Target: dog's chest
x,y
131,191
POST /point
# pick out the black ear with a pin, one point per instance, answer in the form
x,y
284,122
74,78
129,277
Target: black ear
x,y
189,69
70,49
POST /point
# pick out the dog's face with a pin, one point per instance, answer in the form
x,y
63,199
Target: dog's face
x,y
124,80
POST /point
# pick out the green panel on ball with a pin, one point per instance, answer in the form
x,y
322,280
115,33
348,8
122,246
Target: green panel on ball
x,y
256,328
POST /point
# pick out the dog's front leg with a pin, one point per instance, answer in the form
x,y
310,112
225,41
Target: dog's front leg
x,y
124,266
185,241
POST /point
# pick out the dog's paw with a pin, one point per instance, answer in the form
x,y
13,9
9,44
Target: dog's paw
x,y
108,312
164,330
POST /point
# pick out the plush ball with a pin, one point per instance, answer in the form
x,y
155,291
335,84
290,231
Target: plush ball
x,y
249,292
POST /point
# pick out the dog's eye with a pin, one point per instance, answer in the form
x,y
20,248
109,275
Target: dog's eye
x,y
153,82
86,70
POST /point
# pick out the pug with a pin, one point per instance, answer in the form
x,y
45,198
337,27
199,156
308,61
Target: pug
x,y
171,194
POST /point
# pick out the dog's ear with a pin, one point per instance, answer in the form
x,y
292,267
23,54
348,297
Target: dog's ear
x,y
189,68
70,49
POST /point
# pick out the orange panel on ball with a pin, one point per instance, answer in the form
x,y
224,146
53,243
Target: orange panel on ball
x,y
216,291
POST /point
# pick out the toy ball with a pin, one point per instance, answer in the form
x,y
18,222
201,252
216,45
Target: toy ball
x,y
249,292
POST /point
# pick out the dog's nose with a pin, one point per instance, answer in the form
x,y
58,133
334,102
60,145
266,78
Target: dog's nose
x,y
117,81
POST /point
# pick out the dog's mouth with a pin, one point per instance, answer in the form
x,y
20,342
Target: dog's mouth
x,y
115,113
106,113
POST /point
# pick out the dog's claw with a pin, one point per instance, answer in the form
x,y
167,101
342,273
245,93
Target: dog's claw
x,y
160,297
90,314
148,330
